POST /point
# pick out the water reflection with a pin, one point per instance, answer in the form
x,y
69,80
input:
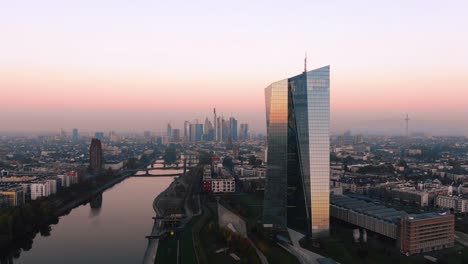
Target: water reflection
x,y
95,204
93,234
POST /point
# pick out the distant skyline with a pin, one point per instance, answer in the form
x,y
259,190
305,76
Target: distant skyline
x,y
134,66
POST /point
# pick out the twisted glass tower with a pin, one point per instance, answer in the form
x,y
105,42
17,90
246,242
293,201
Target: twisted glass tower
x,y
297,183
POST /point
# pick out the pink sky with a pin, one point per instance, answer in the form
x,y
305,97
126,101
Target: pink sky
x,y
88,66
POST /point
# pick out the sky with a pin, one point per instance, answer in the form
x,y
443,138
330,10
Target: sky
x,y
136,65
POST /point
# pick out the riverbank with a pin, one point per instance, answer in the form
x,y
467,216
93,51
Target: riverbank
x,y
20,225
174,209
83,199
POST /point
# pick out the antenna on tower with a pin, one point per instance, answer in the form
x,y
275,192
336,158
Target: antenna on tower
x,y
407,124
305,62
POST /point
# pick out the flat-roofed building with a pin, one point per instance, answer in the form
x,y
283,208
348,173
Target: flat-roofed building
x,y
14,195
40,189
427,232
413,233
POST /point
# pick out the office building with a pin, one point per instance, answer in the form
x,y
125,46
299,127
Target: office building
x,y
458,204
297,182
169,132
233,128
99,135
186,131
40,189
14,195
215,126
147,135
219,128
199,132
95,156
176,135
426,232
75,135
244,132
412,233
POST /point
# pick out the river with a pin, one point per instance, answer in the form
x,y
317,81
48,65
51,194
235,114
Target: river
x,y
108,230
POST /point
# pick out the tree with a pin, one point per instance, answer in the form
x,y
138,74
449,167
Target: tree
x,y
227,162
170,156
205,158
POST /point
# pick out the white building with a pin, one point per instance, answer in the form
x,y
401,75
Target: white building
x,y
40,189
223,185
53,185
459,204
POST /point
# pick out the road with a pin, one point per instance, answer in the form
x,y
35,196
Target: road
x,y
303,255
461,238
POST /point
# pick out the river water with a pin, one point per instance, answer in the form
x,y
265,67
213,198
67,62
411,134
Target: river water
x,y
108,230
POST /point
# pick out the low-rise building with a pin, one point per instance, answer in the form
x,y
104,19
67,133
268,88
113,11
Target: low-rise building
x,y
40,189
14,195
413,233
459,204
223,185
426,232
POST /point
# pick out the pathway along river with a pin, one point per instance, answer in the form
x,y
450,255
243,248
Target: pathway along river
x,y
111,232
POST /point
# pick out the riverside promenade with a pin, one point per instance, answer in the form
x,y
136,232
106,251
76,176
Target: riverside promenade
x,y
172,212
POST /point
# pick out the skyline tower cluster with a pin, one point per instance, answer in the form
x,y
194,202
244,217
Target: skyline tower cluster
x,y
219,129
298,165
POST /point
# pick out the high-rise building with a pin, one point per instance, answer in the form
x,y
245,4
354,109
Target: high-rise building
x,y
226,132
219,128
113,137
176,135
99,135
215,126
75,134
198,132
193,131
298,167
186,131
147,135
233,128
63,134
244,132
95,156
169,132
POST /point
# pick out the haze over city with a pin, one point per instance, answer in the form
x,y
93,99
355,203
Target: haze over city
x,y
98,65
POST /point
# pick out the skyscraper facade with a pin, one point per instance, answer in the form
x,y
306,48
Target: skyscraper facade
x,y
176,135
233,128
298,175
95,156
219,128
186,131
75,134
244,132
169,132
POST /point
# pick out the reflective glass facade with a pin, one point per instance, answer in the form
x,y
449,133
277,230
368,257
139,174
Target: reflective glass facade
x,y
297,185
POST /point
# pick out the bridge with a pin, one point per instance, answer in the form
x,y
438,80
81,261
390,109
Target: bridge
x,y
152,168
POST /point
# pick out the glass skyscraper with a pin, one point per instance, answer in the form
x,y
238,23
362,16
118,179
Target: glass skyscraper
x,y
297,183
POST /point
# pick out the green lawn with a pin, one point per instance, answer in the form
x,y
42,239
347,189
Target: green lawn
x,y
209,239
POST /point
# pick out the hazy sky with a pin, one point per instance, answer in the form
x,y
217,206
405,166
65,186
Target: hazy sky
x,y
134,65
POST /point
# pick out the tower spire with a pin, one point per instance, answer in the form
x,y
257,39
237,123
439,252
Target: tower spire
x,y
407,125
305,62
